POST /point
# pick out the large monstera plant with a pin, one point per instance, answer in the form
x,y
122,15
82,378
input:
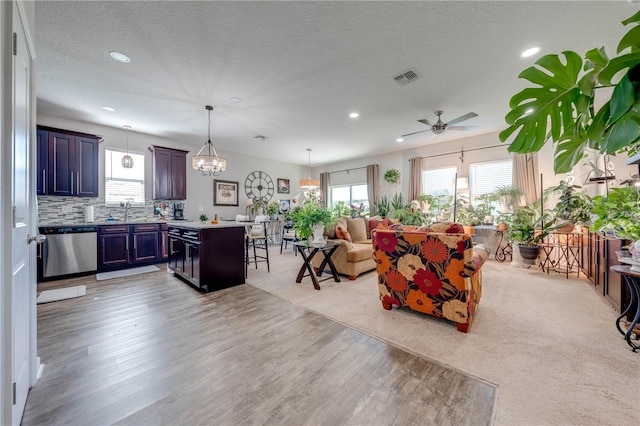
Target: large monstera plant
x,y
561,108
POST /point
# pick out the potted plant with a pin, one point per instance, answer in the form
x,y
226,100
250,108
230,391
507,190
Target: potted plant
x,y
203,218
383,206
309,216
273,208
561,108
572,207
485,208
617,215
503,221
466,215
527,229
392,176
510,197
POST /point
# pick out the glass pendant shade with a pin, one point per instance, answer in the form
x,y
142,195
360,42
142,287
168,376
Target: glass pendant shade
x,y
127,161
207,161
309,183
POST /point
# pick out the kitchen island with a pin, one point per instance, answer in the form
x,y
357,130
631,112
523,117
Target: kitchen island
x,y
206,256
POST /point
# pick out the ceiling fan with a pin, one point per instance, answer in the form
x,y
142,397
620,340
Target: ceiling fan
x,y
440,126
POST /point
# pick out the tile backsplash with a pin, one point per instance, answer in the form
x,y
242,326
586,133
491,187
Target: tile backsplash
x,y
63,210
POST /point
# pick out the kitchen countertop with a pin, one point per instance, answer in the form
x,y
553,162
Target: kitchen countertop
x,y
208,225
113,222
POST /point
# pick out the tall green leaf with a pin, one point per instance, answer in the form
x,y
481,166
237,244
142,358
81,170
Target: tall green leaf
x,y
555,101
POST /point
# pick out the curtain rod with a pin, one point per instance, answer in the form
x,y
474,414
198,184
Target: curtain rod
x,y
348,170
464,150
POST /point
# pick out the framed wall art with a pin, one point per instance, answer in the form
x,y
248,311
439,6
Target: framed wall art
x,y
225,193
283,186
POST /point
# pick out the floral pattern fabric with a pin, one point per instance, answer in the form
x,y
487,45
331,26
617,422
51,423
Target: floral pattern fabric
x,y
436,273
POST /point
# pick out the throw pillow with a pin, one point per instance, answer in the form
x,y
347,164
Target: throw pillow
x,y
342,233
357,229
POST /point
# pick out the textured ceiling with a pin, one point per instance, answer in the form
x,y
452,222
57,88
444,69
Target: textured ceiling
x,y
299,68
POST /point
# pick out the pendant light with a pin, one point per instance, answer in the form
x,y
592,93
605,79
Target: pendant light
x,y
208,163
127,161
309,183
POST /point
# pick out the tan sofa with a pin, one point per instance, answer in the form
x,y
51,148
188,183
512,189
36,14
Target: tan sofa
x,y
352,258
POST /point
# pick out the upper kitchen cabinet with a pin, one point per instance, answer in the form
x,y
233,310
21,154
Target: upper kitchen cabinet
x,y
169,173
71,166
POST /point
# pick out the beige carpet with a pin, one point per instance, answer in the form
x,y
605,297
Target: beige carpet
x,y
549,343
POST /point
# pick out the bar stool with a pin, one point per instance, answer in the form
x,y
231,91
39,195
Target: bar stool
x,y
288,235
256,237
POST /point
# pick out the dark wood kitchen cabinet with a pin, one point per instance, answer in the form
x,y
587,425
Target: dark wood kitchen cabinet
x,y
126,246
164,241
113,247
42,166
67,163
598,258
145,243
169,173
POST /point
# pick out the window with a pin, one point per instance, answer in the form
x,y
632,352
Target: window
x,y
122,185
487,176
438,181
350,194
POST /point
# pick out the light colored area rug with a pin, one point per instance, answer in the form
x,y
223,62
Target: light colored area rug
x,y
126,272
548,342
61,294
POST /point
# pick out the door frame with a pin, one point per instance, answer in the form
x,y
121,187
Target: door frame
x,y
25,13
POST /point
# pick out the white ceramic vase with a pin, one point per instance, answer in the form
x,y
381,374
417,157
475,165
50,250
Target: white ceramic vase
x,y
318,234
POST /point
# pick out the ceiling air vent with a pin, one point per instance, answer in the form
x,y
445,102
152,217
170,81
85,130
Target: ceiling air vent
x,y
407,77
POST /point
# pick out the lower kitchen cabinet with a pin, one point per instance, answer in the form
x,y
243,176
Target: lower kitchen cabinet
x,y
126,246
145,243
113,247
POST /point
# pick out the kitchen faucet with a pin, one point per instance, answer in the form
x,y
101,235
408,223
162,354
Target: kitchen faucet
x,y
126,210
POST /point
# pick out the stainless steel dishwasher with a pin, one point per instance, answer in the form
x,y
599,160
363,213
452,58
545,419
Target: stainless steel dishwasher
x,y
68,250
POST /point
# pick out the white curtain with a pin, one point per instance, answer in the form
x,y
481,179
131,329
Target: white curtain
x,y
526,176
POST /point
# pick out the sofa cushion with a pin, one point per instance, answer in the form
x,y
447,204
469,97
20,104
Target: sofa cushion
x,y
357,229
359,252
342,233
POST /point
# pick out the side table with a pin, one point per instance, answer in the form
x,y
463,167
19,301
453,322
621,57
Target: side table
x,y
632,279
308,252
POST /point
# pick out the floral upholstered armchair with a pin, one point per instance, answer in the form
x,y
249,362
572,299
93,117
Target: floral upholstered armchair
x,y
435,271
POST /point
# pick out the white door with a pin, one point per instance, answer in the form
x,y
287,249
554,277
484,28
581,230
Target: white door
x,y
22,254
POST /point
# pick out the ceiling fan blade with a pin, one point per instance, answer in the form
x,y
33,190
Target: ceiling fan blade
x,y
415,133
462,118
425,121
461,127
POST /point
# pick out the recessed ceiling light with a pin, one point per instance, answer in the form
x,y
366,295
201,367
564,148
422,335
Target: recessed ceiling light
x,y
108,108
119,56
399,140
235,100
530,52
354,115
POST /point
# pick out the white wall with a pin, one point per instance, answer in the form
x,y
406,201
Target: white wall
x,y
199,188
400,160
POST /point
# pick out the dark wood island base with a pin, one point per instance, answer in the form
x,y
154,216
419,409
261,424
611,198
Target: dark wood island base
x,y
207,257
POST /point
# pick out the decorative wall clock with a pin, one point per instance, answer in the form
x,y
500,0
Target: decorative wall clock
x,y
259,186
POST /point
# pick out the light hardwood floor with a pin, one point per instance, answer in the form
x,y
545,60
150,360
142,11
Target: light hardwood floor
x,y
149,349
